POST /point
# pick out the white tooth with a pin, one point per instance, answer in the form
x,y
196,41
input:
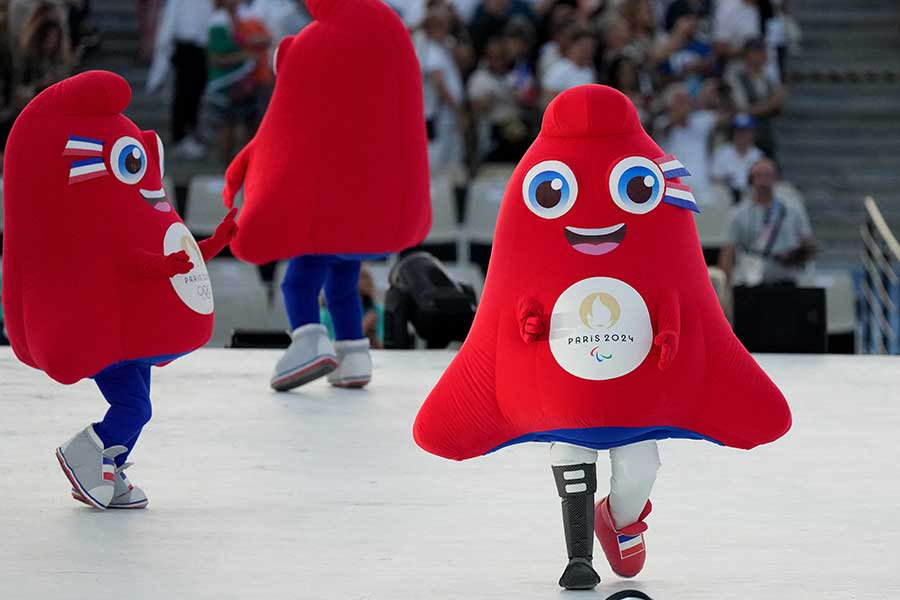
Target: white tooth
x,y
593,232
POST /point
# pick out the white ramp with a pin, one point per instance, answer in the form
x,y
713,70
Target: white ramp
x,y
322,494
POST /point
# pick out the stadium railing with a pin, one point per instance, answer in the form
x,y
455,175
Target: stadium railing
x,y
879,306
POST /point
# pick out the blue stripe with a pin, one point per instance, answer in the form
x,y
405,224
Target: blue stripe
x,y
88,161
604,438
681,203
679,172
108,461
626,538
75,138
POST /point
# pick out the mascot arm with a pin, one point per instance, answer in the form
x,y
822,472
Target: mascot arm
x,y
226,230
668,324
531,320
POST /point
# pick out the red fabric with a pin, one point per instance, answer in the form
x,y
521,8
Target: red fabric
x,y
85,276
339,164
506,382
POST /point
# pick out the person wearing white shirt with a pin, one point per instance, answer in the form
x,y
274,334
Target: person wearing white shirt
x,y
281,17
443,91
575,68
685,133
732,161
735,22
181,40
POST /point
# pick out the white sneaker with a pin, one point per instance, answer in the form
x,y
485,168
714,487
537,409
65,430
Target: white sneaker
x,y
189,148
310,356
90,467
354,364
126,495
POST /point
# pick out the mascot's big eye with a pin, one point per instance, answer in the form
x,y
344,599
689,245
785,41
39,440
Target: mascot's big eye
x,y
637,185
549,189
128,160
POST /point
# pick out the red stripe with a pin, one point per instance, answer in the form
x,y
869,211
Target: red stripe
x,y
81,152
664,159
87,176
629,552
109,476
678,186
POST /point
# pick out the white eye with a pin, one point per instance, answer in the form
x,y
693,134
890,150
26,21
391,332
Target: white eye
x,y
275,60
550,189
637,185
162,156
128,160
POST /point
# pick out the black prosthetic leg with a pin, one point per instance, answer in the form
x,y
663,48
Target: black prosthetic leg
x,y
576,485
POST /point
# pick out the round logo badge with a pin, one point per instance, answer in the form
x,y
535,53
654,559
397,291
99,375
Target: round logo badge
x,y
600,329
193,288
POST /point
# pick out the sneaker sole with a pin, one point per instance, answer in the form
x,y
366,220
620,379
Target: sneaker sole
x,y
142,504
318,369
85,496
352,383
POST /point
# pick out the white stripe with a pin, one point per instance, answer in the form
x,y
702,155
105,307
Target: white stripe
x,y
579,474
109,468
676,193
630,543
152,194
85,169
671,165
574,488
77,145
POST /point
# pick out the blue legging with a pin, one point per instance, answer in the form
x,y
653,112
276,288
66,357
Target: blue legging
x,y
126,386
304,280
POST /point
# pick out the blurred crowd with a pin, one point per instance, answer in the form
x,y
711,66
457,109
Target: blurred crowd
x,y
41,42
706,75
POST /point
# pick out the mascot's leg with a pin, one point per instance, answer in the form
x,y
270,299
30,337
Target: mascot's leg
x,y
352,347
94,460
575,472
311,354
619,519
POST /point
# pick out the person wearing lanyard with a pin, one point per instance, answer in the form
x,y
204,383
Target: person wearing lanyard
x,y
769,241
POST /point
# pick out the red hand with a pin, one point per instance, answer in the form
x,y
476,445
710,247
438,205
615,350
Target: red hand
x,y
532,326
177,263
668,343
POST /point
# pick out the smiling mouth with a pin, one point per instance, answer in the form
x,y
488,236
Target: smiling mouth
x,y
596,241
157,199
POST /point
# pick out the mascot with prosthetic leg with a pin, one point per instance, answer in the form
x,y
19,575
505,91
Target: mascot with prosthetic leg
x,y
337,172
599,330
101,278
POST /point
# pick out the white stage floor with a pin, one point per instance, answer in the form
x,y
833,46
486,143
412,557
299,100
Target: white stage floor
x,y
322,493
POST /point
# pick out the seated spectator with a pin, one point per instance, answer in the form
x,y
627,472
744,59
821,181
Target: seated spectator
x,y
45,54
756,91
615,36
638,16
770,241
491,19
444,92
679,8
623,74
233,89
685,130
520,45
560,29
735,23
576,67
683,53
732,161
373,312
502,130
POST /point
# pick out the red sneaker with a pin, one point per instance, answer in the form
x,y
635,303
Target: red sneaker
x,y
624,548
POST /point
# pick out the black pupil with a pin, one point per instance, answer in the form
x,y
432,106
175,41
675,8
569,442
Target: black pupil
x,y
546,195
638,192
132,162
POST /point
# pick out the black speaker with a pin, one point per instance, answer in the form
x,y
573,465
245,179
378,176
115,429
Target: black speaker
x,y
783,319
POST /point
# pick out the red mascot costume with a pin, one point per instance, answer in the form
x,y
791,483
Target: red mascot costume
x,y
101,278
599,329
337,172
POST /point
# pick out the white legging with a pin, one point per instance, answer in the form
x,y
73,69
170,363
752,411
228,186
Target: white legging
x,y
634,470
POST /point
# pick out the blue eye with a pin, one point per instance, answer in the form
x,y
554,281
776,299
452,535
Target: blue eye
x,y
549,189
637,185
128,160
